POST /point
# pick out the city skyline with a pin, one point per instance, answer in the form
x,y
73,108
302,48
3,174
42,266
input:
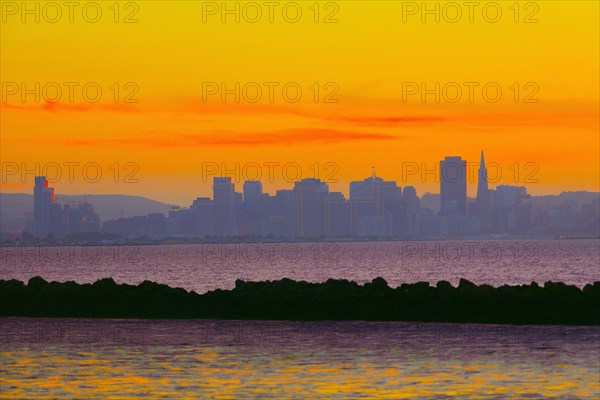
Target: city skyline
x,y
312,199
17,178
173,123
310,209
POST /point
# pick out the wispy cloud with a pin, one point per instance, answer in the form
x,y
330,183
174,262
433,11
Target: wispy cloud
x,y
230,138
383,121
58,107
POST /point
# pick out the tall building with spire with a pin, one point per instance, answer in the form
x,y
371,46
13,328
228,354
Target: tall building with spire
x,y
484,201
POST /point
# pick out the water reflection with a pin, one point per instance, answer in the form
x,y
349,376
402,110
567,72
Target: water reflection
x,y
233,359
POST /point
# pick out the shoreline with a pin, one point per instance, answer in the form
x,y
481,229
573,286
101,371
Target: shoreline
x,y
298,241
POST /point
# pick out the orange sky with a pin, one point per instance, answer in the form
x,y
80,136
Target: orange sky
x,y
361,101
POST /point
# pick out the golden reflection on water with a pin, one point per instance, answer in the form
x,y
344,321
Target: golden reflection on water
x,y
374,367
215,373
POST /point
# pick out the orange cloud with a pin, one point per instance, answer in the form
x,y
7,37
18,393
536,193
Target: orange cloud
x,y
391,120
357,113
229,138
55,107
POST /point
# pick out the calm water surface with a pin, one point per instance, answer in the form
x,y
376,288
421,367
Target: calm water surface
x,y
206,267
75,358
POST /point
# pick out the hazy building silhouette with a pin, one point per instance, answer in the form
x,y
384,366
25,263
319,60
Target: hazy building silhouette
x,y
181,222
512,209
410,201
310,198
374,206
363,190
58,220
120,226
256,208
89,220
284,205
483,204
252,191
73,225
274,226
203,208
156,224
238,211
43,197
376,226
453,186
50,217
591,211
374,189
224,206
337,215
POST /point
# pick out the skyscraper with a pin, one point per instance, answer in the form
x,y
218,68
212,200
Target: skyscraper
x,y
374,189
484,198
453,186
285,205
202,208
482,183
224,206
410,200
508,201
252,191
310,200
43,197
374,204
337,215
362,201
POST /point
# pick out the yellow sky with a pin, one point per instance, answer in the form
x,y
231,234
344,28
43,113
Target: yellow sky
x,y
367,62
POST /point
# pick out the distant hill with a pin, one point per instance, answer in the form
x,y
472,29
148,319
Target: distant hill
x,y
15,206
578,198
432,200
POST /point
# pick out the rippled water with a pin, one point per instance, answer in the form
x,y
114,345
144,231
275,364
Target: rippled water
x,y
211,266
76,358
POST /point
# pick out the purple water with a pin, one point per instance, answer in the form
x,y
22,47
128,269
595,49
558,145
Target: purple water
x,y
210,266
83,358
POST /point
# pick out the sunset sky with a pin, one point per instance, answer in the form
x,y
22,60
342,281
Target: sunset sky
x,y
366,61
